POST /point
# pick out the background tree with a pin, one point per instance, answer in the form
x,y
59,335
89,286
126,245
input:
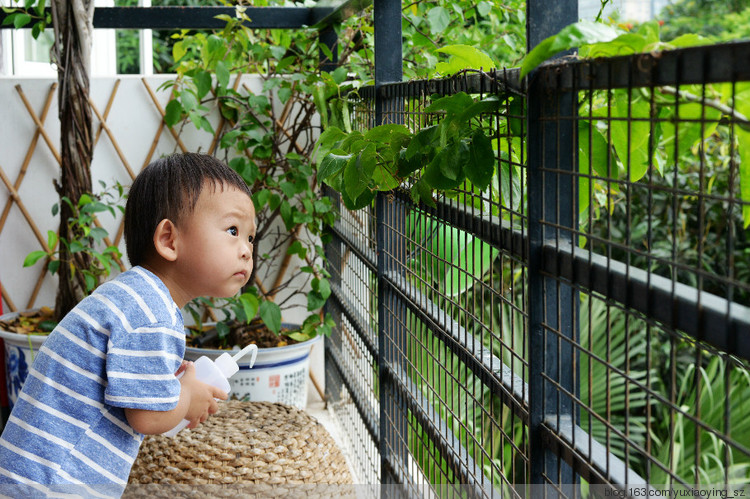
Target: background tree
x,y
72,22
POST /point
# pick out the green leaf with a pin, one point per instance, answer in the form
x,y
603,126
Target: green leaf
x,y
571,36
420,144
34,257
21,19
178,50
358,172
90,282
454,104
463,57
439,18
51,239
743,142
222,74
592,151
322,286
363,200
630,135
203,83
189,101
481,164
332,165
516,116
422,192
270,313
9,19
173,113
250,305
472,260
284,94
327,141
296,248
447,169
385,133
260,198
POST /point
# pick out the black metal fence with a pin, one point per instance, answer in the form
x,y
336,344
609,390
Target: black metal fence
x,y
582,323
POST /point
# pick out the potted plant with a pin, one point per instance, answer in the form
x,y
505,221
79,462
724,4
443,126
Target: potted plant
x,y
264,128
24,332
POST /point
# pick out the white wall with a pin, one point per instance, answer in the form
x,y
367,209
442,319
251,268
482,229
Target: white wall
x,y
627,10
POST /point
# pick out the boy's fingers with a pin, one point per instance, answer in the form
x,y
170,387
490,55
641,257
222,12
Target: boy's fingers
x,y
182,367
218,393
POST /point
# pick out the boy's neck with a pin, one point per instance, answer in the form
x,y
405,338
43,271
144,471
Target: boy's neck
x,y
176,291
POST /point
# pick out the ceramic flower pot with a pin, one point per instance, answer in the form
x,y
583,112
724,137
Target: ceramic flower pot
x,y
20,350
279,375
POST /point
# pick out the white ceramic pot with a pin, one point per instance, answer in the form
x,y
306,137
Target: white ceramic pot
x,y
279,374
20,350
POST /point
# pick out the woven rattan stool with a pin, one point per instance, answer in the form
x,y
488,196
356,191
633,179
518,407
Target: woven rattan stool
x,y
244,443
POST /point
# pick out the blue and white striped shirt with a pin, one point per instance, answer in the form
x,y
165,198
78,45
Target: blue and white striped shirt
x,y
119,348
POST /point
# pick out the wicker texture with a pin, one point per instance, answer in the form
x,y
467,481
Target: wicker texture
x,y
244,443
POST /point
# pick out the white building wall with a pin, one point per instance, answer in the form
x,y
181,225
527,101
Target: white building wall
x,y
625,10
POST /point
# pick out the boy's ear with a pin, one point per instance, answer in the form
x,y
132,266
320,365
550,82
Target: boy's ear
x,y
165,240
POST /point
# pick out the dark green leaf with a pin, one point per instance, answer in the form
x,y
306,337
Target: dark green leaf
x,y
270,313
481,165
20,20
332,164
203,82
358,171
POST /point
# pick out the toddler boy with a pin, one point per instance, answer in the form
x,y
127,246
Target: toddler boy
x,y
106,374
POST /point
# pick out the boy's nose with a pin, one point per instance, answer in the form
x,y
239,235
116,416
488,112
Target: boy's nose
x,y
246,250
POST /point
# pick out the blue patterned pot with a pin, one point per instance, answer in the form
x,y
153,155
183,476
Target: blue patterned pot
x,y
20,350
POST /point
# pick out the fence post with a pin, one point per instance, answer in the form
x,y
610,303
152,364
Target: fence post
x,y
553,218
388,69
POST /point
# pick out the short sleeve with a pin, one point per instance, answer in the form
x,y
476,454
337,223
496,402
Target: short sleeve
x,y
141,366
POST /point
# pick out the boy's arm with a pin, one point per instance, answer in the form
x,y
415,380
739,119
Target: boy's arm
x,y
197,401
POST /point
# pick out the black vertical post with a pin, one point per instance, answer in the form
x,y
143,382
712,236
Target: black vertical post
x,y
328,37
388,69
552,194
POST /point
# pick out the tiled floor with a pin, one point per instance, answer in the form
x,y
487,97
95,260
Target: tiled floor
x,y
317,409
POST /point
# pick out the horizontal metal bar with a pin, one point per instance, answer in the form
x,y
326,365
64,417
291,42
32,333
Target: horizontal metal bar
x,y
341,11
440,434
493,373
203,17
702,315
363,330
726,62
499,81
358,398
586,456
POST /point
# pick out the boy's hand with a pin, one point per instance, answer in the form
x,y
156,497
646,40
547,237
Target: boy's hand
x,y
202,396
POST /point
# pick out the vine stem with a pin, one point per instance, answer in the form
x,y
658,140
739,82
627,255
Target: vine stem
x,y
682,94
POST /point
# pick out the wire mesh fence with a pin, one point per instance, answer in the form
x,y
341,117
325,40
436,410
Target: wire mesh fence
x,y
580,325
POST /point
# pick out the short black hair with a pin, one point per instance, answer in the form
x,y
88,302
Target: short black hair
x,y
169,188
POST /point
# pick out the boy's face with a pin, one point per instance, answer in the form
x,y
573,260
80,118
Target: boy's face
x,y
216,256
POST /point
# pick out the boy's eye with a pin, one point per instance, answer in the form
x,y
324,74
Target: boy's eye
x,y
251,239
233,231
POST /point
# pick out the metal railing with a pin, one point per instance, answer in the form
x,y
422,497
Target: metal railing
x,y
582,323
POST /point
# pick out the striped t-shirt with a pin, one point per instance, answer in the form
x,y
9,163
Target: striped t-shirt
x,y
119,348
